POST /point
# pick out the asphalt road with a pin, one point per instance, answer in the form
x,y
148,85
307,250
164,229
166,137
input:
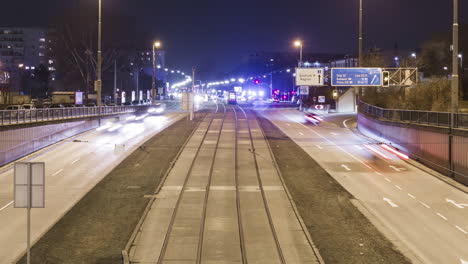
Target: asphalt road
x,y
73,168
425,217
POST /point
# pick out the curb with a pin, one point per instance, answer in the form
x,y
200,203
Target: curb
x,y
293,204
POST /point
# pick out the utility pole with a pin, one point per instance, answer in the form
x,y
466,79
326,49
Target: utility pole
x,y
138,84
358,90
155,45
153,78
98,85
455,81
191,95
115,82
271,84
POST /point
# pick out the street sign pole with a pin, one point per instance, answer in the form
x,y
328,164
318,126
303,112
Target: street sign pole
x,y
26,176
28,232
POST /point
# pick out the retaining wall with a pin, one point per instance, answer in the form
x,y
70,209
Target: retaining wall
x,y
21,140
429,145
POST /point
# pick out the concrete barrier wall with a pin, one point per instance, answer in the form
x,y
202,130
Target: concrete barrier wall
x,y
426,144
18,142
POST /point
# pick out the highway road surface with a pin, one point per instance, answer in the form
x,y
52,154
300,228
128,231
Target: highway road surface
x,y
73,168
223,202
424,216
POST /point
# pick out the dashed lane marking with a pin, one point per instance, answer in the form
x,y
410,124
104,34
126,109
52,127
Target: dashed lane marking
x,y
461,230
57,172
441,216
425,205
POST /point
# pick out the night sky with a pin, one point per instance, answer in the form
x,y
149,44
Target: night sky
x,y
220,32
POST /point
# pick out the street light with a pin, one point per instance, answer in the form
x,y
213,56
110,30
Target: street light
x,y
156,45
360,34
98,84
455,79
298,44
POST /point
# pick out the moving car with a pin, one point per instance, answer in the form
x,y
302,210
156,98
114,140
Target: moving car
x,y
313,118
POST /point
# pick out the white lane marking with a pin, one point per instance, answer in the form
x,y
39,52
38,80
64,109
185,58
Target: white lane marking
x,y
387,179
425,205
441,216
392,204
75,161
288,124
300,133
335,134
345,167
412,196
333,143
463,261
398,187
6,206
57,172
358,147
461,206
318,146
344,122
393,167
461,229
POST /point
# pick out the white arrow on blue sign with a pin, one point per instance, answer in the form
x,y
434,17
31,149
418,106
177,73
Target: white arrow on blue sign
x,y
356,76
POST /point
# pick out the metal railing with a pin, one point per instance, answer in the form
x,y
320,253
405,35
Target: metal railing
x,y
441,119
13,117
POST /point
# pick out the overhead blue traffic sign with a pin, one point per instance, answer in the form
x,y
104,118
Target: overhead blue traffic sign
x,y
356,76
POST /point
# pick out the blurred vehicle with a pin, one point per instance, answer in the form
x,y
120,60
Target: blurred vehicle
x,y
111,104
127,103
14,107
90,105
14,111
232,98
56,106
313,118
29,106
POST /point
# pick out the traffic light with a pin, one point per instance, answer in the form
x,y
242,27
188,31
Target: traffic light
x,y
335,94
256,81
385,79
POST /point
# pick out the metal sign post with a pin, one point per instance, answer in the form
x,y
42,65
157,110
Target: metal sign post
x,y
29,190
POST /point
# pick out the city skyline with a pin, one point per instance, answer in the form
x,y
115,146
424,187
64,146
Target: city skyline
x,y
218,34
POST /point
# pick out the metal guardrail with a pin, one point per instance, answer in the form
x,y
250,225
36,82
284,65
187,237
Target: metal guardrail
x,y
13,117
441,119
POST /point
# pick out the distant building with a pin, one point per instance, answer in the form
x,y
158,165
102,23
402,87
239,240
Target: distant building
x,y
345,62
23,50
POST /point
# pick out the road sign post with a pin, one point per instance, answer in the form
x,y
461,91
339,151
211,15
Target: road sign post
x,y
29,192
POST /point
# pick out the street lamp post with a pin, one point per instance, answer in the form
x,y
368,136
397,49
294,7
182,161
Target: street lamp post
x,y
98,85
455,80
298,44
156,45
358,90
360,33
